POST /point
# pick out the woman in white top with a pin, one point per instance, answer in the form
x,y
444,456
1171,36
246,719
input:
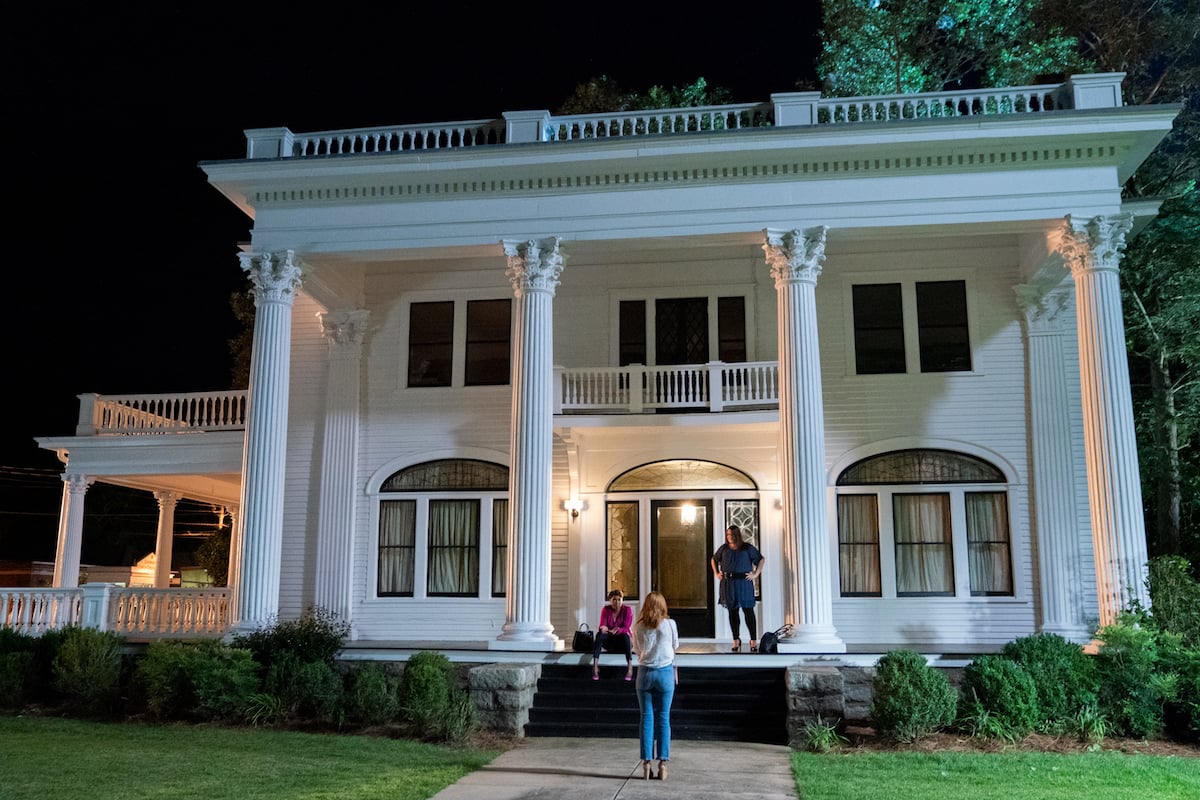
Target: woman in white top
x,y
655,638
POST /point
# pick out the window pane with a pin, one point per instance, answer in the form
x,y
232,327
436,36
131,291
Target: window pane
x,y
731,329
453,548
461,474
878,329
919,466
744,514
988,548
488,352
397,547
924,554
632,344
499,548
942,326
430,343
858,545
623,550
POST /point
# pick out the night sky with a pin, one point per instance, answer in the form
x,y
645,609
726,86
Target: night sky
x,y
121,258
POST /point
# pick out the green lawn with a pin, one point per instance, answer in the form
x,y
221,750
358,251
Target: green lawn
x,y
1019,775
65,759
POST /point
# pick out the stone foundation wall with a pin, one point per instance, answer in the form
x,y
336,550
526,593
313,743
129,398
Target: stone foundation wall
x,y
503,695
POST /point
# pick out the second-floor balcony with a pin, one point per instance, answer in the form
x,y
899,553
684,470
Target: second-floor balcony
x,y
634,389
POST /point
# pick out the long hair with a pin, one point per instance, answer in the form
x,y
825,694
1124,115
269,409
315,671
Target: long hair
x,y
654,610
736,533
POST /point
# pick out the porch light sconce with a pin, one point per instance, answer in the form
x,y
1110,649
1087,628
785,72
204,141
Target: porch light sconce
x,y
574,505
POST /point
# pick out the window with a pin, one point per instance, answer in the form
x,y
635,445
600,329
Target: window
x,y
624,551
921,523
487,355
680,330
431,521
453,346
430,344
884,343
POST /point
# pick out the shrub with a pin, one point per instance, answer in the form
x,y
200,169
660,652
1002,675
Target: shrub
x,y
911,699
371,694
162,672
16,668
818,736
1132,691
1175,598
87,670
1064,676
430,704
306,689
317,635
999,691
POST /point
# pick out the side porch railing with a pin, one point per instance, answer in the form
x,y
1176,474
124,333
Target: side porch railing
x,y
635,389
136,612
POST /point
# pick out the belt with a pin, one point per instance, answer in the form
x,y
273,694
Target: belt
x,y
736,575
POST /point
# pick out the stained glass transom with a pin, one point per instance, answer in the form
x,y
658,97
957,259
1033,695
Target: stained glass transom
x,y
920,466
451,474
680,474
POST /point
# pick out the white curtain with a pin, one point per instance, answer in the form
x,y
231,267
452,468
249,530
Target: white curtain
x,y
858,544
453,547
988,546
924,558
499,548
397,546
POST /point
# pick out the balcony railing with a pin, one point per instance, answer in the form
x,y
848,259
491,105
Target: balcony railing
x,y
142,414
635,389
787,109
139,613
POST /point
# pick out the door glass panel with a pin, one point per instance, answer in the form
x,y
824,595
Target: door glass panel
x,y
682,552
623,550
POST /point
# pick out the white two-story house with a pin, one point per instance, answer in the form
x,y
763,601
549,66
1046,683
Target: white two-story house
x,y
502,366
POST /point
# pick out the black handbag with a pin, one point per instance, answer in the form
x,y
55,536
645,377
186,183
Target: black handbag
x,y
584,641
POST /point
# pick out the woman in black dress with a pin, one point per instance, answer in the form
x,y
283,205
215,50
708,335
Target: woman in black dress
x,y
737,563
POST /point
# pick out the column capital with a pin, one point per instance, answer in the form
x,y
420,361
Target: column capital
x,y
77,483
795,255
1093,245
344,327
1044,304
534,264
275,275
167,498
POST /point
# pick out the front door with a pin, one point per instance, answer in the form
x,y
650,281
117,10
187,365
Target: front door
x,y
680,547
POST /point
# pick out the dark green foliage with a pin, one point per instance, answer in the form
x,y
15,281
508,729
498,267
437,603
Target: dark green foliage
x,y
203,680
309,690
1175,598
911,699
1132,687
371,694
430,704
87,670
1064,676
213,555
317,635
1181,711
1000,690
15,675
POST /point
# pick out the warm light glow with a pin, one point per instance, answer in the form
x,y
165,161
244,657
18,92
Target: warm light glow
x,y
687,514
574,505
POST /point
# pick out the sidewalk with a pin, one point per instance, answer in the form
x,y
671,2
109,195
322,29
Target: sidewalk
x,y
609,769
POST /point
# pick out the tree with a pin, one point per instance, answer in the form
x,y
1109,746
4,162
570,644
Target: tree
x,y
213,555
602,93
897,46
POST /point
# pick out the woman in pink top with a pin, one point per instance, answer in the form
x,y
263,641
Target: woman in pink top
x,y
616,620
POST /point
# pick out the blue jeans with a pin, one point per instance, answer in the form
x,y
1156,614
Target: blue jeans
x,y
655,690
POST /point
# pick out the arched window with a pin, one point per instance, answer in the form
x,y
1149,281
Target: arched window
x,y
923,522
432,517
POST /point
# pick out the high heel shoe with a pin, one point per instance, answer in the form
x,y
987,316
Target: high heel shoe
x,y
645,770
662,770
753,646
737,646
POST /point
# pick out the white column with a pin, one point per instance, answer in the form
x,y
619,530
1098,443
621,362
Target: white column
x,y
166,538
795,257
235,551
533,269
1092,251
256,597
1052,477
70,531
339,460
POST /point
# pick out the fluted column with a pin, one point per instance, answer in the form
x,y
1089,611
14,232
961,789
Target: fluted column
x,y
70,530
166,538
275,277
533,269
795,257
339,459
1052,476
1092,251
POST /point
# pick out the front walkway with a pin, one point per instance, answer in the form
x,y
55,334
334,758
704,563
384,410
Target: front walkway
x,y
609,769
